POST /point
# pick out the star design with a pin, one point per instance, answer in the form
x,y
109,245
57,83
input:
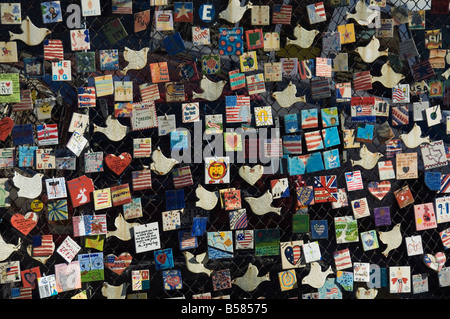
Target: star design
x,y
183,12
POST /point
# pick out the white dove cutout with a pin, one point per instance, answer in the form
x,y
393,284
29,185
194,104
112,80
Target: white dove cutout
x,y
303,38
389,78
250,280
363,14
7,249
211,90
370,52
161,165
392,238
115,292
316,277
114,130
136,59
29,187
287,97
207,200
413,138
31,35
196,264
368,159
234,12
263,204
251,174
124,229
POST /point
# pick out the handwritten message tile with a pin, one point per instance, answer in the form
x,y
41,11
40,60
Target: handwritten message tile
x,y
146,237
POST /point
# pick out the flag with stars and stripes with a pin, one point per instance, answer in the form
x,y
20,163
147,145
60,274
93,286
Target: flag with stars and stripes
x,y
354,181
325,189
141,179
281,14
53,50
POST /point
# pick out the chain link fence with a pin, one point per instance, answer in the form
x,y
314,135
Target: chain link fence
x,y
153,201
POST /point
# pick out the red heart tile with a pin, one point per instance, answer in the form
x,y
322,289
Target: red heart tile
x,y
379,189
118,264
6,126
24,223
118,163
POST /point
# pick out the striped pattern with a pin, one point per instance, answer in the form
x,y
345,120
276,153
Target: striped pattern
x,y
273,148
244,238
86,97
102,197
360,207
445,184
445,237
234,107
142,179
354,181
316,12
362,81
122,7
142,147
393,147
422,70
149,92
12,270
47,134
313,141
399,94
21,293
323,67
238,219
45,246
309,119
325,189
400,115
292,144
342,259
26,102
256,84
182,177
281,14
386,170
53,50
320,88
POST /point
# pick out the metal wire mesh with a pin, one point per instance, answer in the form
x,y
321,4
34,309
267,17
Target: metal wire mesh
x,y
153,201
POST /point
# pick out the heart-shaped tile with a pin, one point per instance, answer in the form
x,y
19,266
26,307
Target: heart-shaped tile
x,y
118,163
118,264
41,259
24,223
436,261
232,141
319,229
293,254
379,189
6,126
161,258
30,277
173,280
244,239
251,174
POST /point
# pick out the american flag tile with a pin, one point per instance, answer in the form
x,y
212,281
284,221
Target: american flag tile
x,y
360,208
281,14
53,49
362,81
354,181
314,141
142,147
182,177
316,12
325,189
141,180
